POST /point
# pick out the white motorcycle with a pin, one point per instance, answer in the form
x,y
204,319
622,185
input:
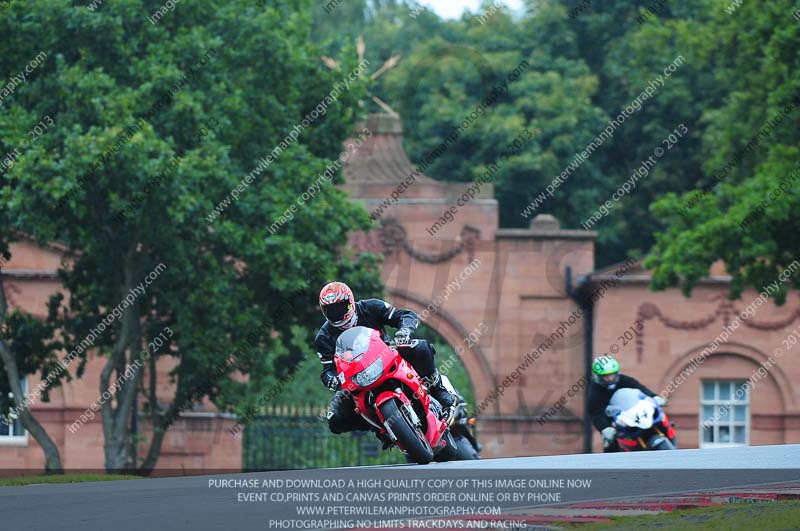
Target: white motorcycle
x,y
640,422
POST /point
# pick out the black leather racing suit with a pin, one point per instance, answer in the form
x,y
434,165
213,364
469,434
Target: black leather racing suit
x,y
375,314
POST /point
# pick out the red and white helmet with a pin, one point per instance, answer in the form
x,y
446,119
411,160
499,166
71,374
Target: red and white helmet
x,y
338,305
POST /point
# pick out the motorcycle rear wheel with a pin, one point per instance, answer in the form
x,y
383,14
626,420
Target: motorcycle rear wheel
x,y
450,451
464,449
409,436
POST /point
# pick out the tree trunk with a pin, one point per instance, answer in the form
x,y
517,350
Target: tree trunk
x,y
51,455
160,428
116,425
160,423
116,449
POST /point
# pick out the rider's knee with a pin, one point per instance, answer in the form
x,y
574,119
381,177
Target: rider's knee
x,y
335,423
422,350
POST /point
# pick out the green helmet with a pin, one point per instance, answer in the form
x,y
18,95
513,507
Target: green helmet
x,y
603,366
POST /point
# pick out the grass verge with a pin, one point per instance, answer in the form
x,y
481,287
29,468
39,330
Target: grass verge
x,y
63,478
763,516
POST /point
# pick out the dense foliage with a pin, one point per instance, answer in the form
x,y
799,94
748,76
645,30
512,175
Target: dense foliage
x,y
589,61
168,154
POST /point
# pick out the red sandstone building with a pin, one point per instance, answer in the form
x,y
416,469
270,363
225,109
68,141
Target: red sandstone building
x,y
515,321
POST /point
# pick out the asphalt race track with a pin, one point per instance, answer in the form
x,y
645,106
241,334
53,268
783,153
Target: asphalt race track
x,y
217,502
743,457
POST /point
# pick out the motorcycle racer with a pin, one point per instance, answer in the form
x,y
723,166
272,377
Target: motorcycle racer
x,y
342,312
606,378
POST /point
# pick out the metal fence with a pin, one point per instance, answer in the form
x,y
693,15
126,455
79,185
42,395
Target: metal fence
x,y
296,436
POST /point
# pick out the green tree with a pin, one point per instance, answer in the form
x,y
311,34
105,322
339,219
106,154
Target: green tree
x,y
26,347
590,61
751,147
155,128
447,76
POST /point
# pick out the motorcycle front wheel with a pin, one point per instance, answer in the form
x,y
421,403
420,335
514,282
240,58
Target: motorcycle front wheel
x,y
661,443
410,437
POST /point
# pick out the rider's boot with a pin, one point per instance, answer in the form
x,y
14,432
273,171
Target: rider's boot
x,y
438,391
385,440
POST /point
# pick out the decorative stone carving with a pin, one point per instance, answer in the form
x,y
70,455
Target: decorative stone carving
x,y
394,238
726,310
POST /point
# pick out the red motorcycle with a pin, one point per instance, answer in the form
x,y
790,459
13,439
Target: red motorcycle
x,y
390,395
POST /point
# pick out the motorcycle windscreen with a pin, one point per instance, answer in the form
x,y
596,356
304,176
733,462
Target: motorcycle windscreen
x,y
623,399
353,343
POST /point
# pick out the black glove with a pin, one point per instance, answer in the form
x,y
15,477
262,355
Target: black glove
x,y
330,380
402,336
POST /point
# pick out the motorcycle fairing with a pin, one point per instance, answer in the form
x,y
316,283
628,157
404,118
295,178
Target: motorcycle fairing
x,y
359,347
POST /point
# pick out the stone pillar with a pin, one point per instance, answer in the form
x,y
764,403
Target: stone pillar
x,y
537,351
